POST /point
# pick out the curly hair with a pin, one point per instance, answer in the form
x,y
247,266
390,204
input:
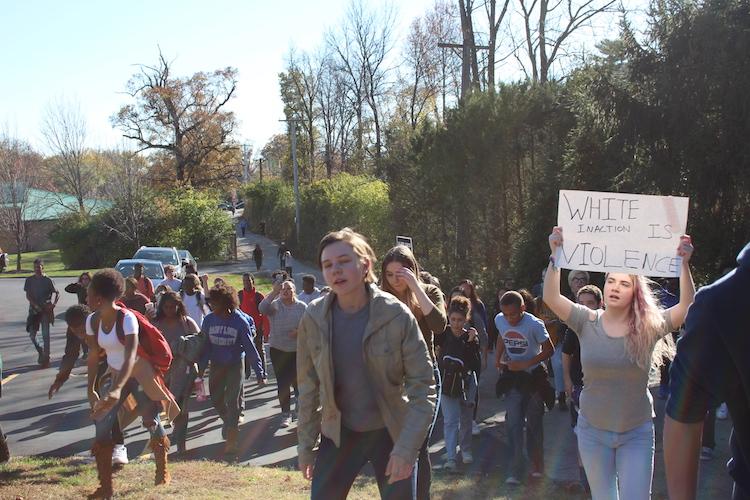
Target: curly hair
x,y
223,297
76,314
460,305
108,283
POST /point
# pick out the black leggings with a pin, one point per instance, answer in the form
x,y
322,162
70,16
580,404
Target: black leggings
x,y
285,368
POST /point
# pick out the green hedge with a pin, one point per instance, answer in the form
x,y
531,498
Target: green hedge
x,y
181,218
359,202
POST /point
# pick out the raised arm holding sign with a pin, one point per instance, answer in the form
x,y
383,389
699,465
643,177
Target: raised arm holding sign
x,y
616,232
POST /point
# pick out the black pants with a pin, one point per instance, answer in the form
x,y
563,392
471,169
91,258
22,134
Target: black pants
x,y
337,468
285,368
709,429
225,384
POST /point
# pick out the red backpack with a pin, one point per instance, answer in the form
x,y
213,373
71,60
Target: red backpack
x,y
152,345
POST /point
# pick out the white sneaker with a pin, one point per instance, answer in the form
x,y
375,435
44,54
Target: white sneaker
x,y
119,455
722,413
474,428
512,481
286,420
467,457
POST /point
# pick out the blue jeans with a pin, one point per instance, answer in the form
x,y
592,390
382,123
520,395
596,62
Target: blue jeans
x,y
557,367
147,409
617,462
457,417
527,407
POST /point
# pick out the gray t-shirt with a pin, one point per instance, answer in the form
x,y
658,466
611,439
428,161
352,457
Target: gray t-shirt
x,y
284,320
40,288
615,393
353,388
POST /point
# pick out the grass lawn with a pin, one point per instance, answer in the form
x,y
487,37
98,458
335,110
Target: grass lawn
x,y
75,478
54,268
53,265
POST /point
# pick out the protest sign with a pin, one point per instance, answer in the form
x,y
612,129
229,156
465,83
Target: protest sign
x,y
404,240
619,232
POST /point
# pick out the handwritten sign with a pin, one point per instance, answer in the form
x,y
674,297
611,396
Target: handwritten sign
x,y
618,232
406,241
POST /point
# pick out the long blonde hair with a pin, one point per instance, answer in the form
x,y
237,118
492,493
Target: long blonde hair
x,y
643,344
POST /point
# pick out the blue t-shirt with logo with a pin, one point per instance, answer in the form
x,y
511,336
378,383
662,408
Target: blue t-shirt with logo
x,y
524,340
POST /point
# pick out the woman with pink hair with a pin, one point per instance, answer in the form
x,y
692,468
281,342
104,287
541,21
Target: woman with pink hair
x,y
618,346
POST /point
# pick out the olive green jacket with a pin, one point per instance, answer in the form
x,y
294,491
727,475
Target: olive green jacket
x,y
397,361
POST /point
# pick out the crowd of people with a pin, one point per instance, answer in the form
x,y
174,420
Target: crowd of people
x,y
372,362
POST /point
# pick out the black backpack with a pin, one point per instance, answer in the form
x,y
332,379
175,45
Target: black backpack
x,y
453,377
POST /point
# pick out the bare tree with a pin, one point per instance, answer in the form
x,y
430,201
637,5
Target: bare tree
x,y
470,65
185,117
130,210
494,20
334,116
362,46
18,175
555,22
64,130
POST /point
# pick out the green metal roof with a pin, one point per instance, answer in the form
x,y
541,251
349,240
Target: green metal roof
x,y
46,205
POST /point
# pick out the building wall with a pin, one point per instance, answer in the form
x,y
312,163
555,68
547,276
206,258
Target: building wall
x,y
37,237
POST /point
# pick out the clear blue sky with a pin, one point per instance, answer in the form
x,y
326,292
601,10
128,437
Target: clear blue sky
x,y
86,51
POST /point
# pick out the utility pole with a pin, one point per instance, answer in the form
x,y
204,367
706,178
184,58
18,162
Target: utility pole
x,y
465,67
246,152
293,121
260,167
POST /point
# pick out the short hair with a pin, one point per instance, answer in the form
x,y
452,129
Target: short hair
x,y
460,305
108,283
138,264
76,315
359,244
309,278
593,290
38,261
223,297
576,272
511,298
169,267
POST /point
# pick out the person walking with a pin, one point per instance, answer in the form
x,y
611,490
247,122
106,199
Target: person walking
x,y
228,335
367,389
3,261
309,291
39,290
114,332
243,226
145,285
284,311
281,254
173,283
80,287
712,365
258,256
249,300
618,347
75,340
459,360
194,298
399,277
480,321
177,327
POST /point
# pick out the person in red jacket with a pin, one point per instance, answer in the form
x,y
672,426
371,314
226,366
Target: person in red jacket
x,y
249,299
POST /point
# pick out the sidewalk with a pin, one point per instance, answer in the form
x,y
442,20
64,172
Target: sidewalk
x,y
245,263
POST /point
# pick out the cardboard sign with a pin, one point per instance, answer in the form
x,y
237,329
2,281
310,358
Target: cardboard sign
x,y
404,240
623,233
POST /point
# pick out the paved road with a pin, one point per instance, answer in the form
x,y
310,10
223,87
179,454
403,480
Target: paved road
x,y
61,427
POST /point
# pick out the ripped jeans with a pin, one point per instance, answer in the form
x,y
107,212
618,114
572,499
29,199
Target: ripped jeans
x,y
147,409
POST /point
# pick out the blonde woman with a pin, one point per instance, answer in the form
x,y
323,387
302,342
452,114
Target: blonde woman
x,y
365,378
615,428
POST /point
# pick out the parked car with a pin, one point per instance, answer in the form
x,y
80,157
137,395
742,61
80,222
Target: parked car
x,y
165,255
186,256
239,205
225,205
153,269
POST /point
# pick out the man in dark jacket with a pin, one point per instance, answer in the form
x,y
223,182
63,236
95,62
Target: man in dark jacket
x,y
712,366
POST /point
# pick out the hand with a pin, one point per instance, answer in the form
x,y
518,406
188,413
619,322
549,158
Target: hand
x,y
407,275
293,333
276,287
262,382
555,239
103,406
517,366
93,399
685,250
53,389
472,334
398,469
307,471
